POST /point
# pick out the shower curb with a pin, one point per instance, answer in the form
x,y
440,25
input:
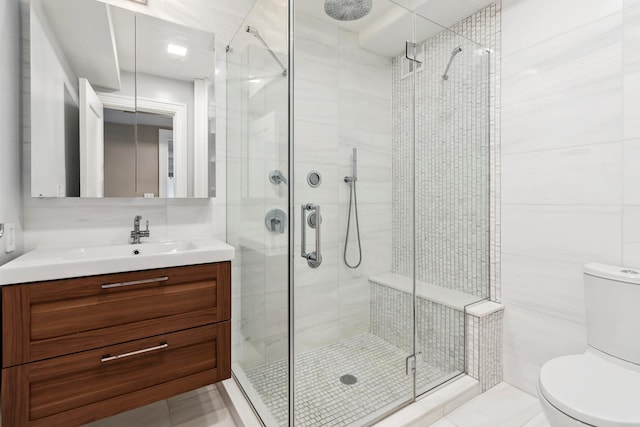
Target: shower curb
x,y
436,405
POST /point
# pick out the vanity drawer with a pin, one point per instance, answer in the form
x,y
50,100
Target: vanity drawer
x,y
87,386
49,319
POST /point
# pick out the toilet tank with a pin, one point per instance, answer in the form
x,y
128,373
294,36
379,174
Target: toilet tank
x,y
612,296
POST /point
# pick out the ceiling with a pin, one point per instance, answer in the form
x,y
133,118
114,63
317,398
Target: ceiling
x,y
99,41
105,34
390,23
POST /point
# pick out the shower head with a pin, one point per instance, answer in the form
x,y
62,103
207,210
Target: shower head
x,y
347,10
454,52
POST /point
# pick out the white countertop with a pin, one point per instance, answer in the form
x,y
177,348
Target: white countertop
x,y
62,263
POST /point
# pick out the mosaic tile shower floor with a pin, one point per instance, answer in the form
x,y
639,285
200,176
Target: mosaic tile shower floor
x,y
323,400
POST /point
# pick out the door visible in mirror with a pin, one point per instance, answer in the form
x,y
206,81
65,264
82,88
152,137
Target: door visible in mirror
x,y
122,105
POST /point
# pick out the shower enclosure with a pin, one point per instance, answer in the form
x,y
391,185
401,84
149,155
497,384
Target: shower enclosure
x,y
315,341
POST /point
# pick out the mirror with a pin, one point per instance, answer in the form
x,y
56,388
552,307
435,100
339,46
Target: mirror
x,y
122,104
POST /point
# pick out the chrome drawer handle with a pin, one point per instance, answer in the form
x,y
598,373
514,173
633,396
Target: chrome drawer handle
x,y
108,358
135,282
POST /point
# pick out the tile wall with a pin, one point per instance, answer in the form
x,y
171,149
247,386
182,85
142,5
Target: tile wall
x,y
570,148
456,236
10,112
10,196
342,101
440,328
484,333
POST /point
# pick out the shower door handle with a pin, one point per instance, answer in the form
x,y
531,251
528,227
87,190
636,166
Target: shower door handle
x,y
314,259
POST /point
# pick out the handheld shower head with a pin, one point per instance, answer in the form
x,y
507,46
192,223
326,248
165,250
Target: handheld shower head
x,y
347,10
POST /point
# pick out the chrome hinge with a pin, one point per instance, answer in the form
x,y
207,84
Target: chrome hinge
x,y
413,362
414,50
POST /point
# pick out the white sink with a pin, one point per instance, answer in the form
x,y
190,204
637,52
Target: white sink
x,y
61,263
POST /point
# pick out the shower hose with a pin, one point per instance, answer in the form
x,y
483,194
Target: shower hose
x,y
353,200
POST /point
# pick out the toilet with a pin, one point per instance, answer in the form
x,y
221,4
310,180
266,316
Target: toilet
x,y
602,386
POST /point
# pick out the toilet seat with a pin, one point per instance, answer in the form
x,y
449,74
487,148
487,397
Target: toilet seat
x,y
593,390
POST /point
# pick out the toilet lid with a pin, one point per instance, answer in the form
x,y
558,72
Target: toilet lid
x,y
592,390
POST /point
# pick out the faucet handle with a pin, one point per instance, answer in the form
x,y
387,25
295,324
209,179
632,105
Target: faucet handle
x,y
147,225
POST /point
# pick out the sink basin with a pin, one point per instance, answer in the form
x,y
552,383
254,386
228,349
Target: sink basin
x,y
61,263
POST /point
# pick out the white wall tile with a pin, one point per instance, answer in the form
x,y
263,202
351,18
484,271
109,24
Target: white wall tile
x,y
587,54
631,76
631,105
10,173
315,29
583,115
631,237
363,111
545,285
316,143
631,172
574,234
316,103
531,338
631,35
315,61
590,174
525,23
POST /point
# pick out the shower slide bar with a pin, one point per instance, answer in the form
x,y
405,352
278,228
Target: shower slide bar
x,y
257,35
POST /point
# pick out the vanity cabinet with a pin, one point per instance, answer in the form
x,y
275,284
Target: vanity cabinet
x,y
81,349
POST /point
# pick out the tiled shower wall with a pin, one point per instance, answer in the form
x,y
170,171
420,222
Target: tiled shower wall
x,y
440,329
342,101
457,141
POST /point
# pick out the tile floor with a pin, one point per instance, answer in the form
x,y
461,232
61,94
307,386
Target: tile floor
x,y
381,382
199,408
502,406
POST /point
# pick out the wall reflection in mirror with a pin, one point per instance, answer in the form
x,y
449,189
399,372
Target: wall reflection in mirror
x,y
122,104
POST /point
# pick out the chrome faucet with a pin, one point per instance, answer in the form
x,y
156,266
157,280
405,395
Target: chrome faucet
x,y
136,234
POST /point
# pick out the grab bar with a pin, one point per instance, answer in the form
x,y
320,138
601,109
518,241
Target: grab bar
x,y
314,259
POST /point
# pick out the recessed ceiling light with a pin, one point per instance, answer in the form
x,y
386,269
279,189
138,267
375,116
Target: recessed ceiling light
x,y
177,50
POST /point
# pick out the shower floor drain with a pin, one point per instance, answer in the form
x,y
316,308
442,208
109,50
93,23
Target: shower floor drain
x,y
348,379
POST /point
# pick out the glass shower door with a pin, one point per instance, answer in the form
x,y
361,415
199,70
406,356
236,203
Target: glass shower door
x,y
451,193
353,325
257,208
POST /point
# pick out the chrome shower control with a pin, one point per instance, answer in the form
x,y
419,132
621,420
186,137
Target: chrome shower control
x,y
312,220
276,220
314,179
276,177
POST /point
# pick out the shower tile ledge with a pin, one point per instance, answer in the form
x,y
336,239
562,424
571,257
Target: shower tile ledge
x,y
434,406
448,297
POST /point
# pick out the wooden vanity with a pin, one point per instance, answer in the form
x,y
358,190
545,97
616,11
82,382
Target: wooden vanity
x,y
81,349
